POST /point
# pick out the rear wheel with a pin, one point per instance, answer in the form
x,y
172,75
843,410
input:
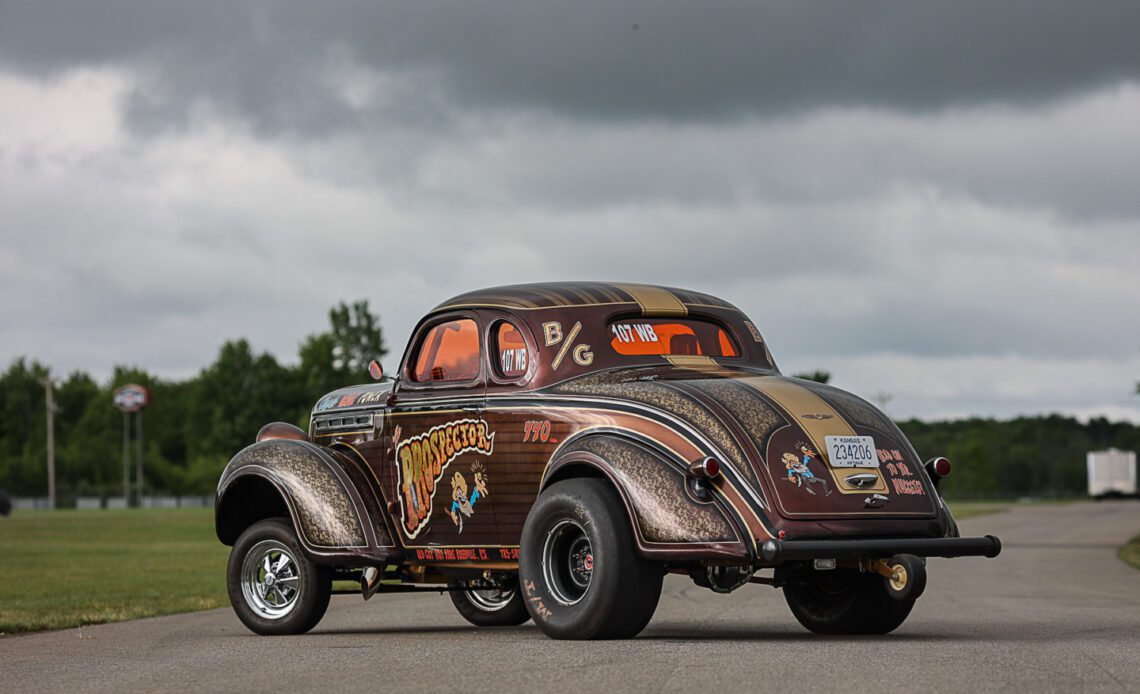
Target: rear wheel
x,y
489,607
579,569
845,601
273,588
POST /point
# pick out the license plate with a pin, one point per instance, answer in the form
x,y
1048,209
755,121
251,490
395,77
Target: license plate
x,y
851,451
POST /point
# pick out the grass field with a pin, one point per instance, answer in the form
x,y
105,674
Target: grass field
x,y
69,568
969,509
1130,553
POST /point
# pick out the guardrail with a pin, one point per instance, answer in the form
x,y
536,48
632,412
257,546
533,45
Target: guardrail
x,y
91,503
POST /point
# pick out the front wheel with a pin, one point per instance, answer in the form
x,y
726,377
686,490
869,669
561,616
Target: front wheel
x,y
273,588
489,607
845,601
579,569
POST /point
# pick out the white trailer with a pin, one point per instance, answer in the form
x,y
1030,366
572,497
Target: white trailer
x,y
1112,473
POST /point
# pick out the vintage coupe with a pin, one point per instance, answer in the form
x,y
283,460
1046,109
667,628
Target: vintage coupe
x,y
551,451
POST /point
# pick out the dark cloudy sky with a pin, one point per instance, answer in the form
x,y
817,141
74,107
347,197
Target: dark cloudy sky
x,y
936,200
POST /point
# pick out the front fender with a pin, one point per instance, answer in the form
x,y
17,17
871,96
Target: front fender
x,y
668,522
326,507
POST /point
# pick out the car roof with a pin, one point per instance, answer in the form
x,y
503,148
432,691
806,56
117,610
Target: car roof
x,y
548,295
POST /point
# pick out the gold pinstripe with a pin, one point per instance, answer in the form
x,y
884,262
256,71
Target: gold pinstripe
x,y
655,300
697,362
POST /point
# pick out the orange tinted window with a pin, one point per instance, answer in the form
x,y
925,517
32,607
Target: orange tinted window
x,y
727,349
450,352
670,337
511,348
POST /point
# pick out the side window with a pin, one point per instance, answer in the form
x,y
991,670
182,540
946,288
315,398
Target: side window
x,y
513,358
449,352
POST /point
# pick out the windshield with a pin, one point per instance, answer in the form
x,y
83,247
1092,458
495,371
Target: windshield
x,y
671,337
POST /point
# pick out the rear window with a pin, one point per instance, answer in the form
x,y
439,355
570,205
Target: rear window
x,y
671,337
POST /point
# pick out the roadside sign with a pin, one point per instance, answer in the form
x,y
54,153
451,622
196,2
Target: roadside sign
x,y
131,397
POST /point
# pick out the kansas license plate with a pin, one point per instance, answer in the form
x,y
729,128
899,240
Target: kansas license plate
x,y
851,451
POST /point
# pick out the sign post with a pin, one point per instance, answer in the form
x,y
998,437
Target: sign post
x,y
132,398
49,387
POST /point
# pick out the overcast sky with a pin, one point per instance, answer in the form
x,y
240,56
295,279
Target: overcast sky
x,y
940,201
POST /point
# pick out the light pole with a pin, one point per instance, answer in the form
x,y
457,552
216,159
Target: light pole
x,y
132,398
126,458
49,388
139,456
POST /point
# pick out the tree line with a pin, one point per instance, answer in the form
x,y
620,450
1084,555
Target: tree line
x,y
194,426
191,428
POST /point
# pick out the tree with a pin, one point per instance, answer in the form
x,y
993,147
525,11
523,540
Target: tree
x,y
340,357
817,376
234,397
23,428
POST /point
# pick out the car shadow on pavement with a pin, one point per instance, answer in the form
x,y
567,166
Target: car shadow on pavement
x,y
779,635
407,629
684,633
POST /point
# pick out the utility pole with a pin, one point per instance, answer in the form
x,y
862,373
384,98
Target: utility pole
x,y
49,389
139,457
127,458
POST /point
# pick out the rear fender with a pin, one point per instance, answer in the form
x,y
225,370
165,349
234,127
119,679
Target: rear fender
x,y
668,522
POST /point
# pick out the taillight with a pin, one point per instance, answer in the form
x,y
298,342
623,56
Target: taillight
x,y
707,468
938,468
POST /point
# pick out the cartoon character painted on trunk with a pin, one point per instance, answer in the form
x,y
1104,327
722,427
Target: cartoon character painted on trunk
x,y
800,472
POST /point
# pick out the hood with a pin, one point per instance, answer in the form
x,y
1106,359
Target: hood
x,y
812,450
368,395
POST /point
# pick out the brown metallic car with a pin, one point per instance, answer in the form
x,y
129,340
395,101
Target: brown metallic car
x,y
551,451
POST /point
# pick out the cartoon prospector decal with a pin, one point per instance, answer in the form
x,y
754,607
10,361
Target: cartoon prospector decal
x,y
422,461
800,472
461,505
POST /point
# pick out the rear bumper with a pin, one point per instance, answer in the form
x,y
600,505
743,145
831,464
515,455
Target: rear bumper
x,y
780,551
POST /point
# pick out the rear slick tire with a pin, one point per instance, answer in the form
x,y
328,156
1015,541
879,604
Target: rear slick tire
x,y
579,569
845,602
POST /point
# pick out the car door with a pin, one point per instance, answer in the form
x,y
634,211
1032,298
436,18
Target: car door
x,y
441,442
524,437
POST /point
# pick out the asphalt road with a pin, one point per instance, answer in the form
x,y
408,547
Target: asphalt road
x,y
1056,612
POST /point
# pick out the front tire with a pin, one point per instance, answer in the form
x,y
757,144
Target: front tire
x,y
845,601
579,569
494,607
273,587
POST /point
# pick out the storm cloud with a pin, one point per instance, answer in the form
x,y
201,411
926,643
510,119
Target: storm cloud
x,y
935,200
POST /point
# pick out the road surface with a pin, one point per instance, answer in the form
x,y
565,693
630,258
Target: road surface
x,y
1056,612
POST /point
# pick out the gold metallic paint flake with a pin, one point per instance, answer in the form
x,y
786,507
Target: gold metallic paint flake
x,y
372,505
755,415
325,513
855,410
671,401
664,514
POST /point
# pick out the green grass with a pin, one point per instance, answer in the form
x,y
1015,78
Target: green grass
x,y
969,509
1130,553
69,568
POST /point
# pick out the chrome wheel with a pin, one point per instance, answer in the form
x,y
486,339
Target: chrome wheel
x,y
489,599
567,561
270,579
